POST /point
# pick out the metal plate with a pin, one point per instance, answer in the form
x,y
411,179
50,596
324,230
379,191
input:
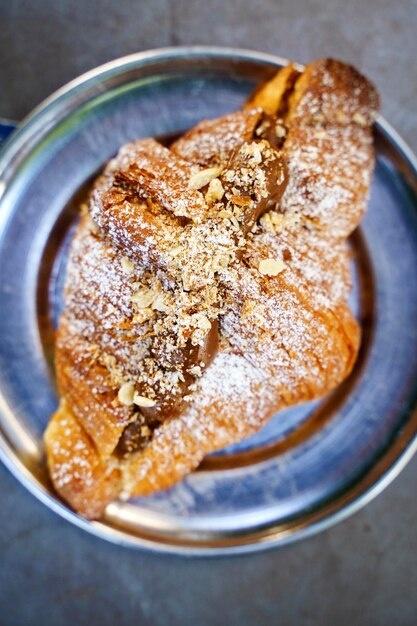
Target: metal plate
x,y
311,465
6,129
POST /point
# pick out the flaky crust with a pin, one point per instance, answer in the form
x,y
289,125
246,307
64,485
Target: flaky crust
x,y
284,339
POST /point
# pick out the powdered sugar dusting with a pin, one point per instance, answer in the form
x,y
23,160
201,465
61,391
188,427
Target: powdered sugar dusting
x,y
166,262
212,140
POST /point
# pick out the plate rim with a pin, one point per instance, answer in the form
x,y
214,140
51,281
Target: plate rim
x,y
386,467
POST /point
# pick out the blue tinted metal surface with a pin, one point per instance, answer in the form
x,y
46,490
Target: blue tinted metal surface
x,y
310,465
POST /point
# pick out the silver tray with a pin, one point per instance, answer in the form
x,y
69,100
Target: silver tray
x,y
311,465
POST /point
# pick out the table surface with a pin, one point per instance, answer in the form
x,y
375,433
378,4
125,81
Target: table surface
x,y
362,571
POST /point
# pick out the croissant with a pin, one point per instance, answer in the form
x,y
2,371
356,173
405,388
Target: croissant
x,y
207,285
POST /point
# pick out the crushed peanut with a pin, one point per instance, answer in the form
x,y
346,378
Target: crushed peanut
x,y
240,200
143,298
248,307
195,371
143,315
125,394
280,130
201,321
220,262
271,267
159,303
359,119
127,265
143,401
272,221
215,191
203,177
225,214
255,153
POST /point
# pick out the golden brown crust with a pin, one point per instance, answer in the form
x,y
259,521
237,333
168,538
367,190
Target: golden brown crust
x,y
279,294
330,92
329,147
210,141
272,96
89,390
77,471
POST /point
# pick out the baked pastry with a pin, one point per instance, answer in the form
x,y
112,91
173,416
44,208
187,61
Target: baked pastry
x,y
207,285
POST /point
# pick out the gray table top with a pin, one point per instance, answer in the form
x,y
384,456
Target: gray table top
x,y
362,571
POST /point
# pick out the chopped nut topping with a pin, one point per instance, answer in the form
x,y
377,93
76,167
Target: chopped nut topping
x,y
177,303
159,303
143,315
127,265
255,153
142,401
195,371
241,200
201,321
220,262
202,178
225,214
248,307
143,298
125,395
215,191
175,251
280,130
273,221
271,267
359,119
